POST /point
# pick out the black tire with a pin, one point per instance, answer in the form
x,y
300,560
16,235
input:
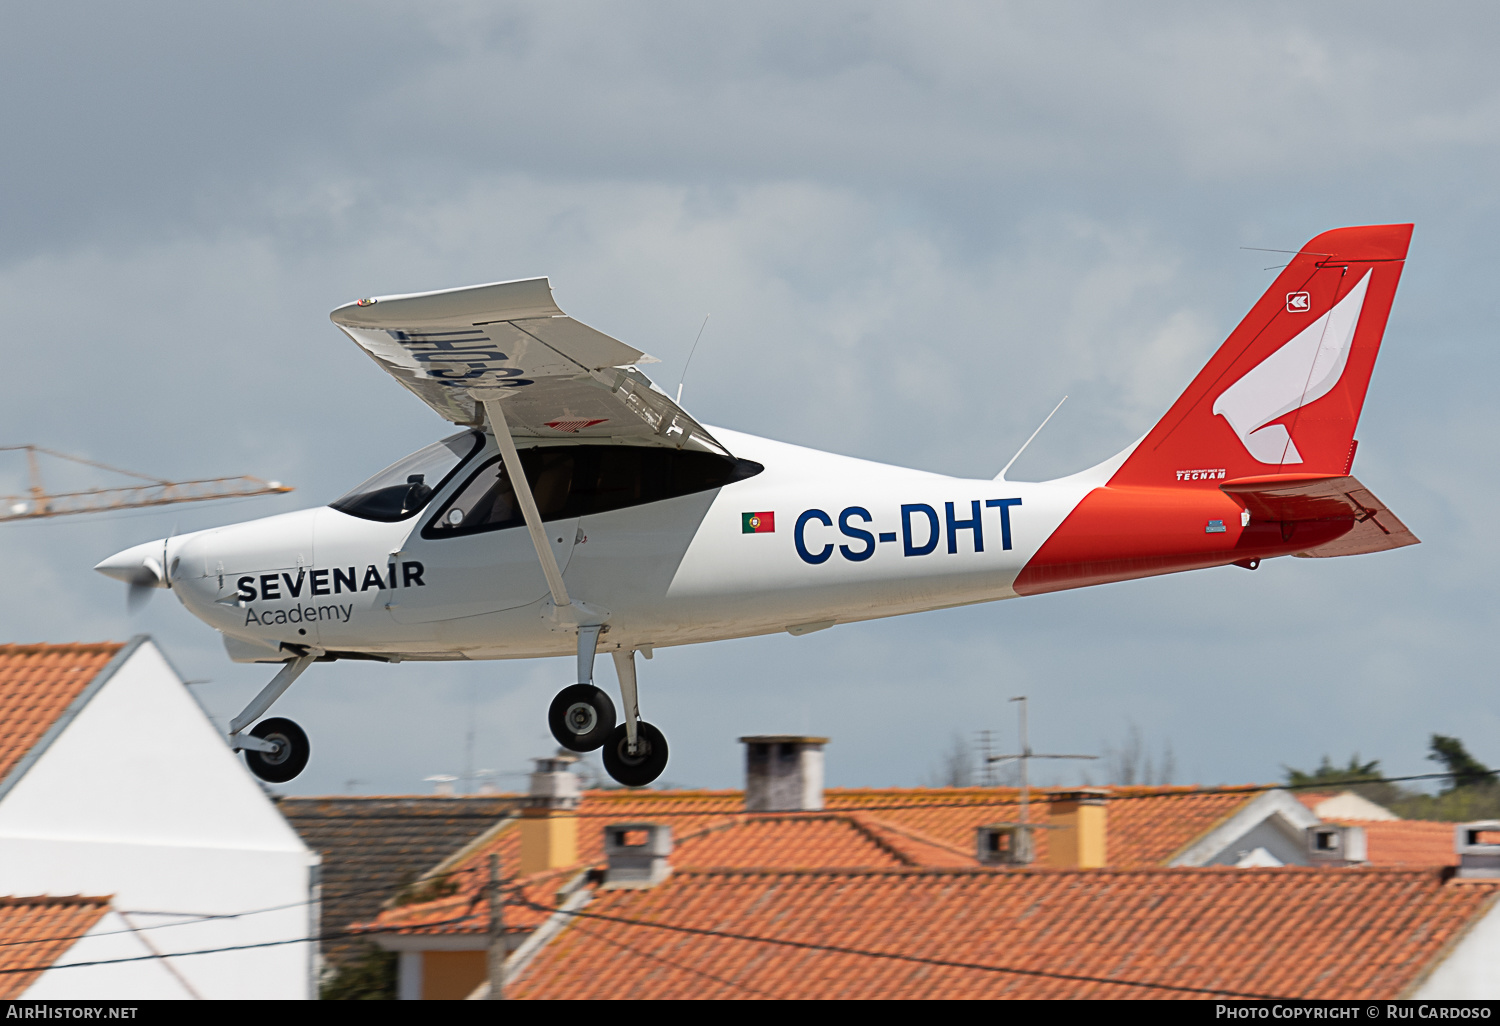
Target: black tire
x,y
289,760
639,769
581,717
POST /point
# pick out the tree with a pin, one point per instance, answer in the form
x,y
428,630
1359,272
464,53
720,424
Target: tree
x,y
1132,762
1327,773
1363,778
1470,794
956,767
1467,771
369,976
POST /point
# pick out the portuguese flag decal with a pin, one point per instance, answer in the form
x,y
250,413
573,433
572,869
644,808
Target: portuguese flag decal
x,y
758,523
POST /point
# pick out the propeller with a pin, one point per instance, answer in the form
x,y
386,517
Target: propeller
x,y
142,583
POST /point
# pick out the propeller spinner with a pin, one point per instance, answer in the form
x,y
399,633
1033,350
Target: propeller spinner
x,y
142,568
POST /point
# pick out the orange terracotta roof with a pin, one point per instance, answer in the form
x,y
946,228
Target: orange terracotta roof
x,y
860,829
36,932
1408,842
812,840
37,684
1292,932
1147,825
1401,842
454,900
373,844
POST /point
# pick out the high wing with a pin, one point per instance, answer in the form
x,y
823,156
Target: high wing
x,y
563,378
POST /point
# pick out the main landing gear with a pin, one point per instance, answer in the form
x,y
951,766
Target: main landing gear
x,y
582,718
277,749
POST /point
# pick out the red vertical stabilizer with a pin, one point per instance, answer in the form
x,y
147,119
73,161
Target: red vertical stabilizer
x,y
1283,394
1276,407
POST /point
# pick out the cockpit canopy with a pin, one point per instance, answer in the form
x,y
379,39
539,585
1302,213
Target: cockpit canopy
x,y
566,481
403,488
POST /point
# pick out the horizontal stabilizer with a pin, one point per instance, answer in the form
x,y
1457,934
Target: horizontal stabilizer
x,y
1290,498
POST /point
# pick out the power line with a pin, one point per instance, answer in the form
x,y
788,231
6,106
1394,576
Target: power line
x,y
232,947
839,949
981,802
675,965
196,918
1245,789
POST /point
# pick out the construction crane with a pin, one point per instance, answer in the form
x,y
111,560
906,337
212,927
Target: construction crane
x,y
156,492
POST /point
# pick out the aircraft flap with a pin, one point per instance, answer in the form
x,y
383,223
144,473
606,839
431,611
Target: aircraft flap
x,y
1288,498
563,378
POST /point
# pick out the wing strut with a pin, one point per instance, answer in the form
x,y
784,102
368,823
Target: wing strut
x,y
492,406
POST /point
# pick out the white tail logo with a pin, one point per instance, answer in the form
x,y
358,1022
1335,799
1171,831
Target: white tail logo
x,y
1304,369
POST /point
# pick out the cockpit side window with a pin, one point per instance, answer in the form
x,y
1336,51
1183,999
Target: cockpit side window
x,y
405,487
577,480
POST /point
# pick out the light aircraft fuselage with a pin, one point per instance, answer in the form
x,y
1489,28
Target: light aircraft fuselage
x,y
840,540
582,509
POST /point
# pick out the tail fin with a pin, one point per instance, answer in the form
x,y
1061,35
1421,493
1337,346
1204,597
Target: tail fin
x,y
1283,394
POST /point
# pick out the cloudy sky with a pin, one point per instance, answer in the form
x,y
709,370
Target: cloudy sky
x,y
916,227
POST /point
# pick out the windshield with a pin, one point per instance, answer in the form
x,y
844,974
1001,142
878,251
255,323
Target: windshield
x,y
581,480
404,487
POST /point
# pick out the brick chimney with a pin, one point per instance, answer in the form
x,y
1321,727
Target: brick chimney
x,y
549,823
1478,847
637,854
1076,839
783,773
1004,844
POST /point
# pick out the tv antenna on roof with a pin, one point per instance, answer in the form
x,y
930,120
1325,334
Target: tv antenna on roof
x,y
1025,756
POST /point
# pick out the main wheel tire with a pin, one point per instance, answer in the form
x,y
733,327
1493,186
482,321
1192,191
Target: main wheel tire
x,y
645,765
581,717
288,760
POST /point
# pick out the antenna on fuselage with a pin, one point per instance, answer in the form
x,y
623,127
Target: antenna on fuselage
x,y
1001,476
690,357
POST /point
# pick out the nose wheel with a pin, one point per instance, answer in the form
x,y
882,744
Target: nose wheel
x,y
276,750
288,755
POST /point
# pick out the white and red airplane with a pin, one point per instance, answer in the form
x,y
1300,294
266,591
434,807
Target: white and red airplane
x,y
581,510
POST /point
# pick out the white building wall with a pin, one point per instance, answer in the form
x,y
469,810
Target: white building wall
x,y
124,976
140,798
409,976
1471,972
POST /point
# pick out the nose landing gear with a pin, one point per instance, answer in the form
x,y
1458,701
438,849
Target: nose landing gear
x,y
277,749
290,754
582,718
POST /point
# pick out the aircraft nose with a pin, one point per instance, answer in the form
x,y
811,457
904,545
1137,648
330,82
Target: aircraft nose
x,y
139,564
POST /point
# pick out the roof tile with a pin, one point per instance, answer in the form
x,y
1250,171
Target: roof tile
x,y
373,845
1221,931
36,932
37,684
1408,842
